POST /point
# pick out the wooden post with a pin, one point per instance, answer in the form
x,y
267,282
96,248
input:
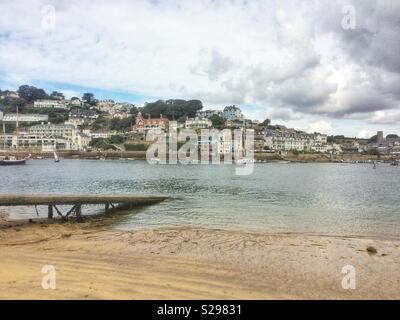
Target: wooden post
x,y
78,212
50,213
107,208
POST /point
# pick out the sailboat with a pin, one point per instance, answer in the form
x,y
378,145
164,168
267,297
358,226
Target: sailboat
x,y
56,158
13,160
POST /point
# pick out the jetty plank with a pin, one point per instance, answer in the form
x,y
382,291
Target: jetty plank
x,y
37,200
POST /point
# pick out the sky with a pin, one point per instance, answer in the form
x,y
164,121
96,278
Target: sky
x,y
330,66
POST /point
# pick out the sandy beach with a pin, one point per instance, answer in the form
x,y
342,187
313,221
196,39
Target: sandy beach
x,y
95,261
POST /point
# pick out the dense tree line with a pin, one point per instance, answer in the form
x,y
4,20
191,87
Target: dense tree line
x,y
174,109
122,124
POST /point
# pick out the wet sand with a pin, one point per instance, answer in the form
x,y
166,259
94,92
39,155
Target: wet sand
x,y
95,261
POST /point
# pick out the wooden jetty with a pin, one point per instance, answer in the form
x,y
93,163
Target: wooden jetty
x,y
111,202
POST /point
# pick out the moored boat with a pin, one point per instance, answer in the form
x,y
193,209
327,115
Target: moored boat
x,y
12,161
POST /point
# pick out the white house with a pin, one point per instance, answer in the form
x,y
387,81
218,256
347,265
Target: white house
x,y
283,139
198,123
54,104
232,112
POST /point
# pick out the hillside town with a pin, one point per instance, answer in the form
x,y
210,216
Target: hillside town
x,y
33,120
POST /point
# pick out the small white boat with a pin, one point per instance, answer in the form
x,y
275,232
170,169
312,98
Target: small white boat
x,y
194,161
154,161
244,161
56,158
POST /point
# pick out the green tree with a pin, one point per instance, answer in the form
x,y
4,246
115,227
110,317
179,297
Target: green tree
x,y
373,139
10,104
134,111
100,123
89,98
102,143
266,122
116,139
121,124
218,122
172,109
30,93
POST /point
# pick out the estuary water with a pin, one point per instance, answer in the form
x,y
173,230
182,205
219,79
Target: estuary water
x,y
323,198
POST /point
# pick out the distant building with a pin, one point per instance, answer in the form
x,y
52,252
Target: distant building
x,y
228,144
12,117
208,113
105,105
101,134
353,147
35,142
238,123
120,114
51,104
81,141
142,124
76,102
198,123
380,138
54,130
9,94
392,139
73,139
390,145
282,139
232,112
83,114
76,122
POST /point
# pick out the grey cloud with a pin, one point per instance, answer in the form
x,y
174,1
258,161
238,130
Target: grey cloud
x,y
376,37
303,94
214,66
282,114
218,65
363,102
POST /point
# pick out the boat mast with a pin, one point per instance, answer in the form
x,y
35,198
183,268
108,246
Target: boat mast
x,y
4,134
244,153
17,127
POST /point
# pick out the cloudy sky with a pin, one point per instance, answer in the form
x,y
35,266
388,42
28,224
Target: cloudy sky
x,y
329,66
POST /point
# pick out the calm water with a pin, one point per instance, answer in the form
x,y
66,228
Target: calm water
x,y
344,199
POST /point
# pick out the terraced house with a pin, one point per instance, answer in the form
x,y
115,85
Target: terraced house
x,y
283,139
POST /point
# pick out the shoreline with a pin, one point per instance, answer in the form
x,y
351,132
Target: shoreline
x,y
108,221
95,261
141,155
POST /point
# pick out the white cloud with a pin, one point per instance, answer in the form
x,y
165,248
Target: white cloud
x,y
365,134
71,93
321,126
